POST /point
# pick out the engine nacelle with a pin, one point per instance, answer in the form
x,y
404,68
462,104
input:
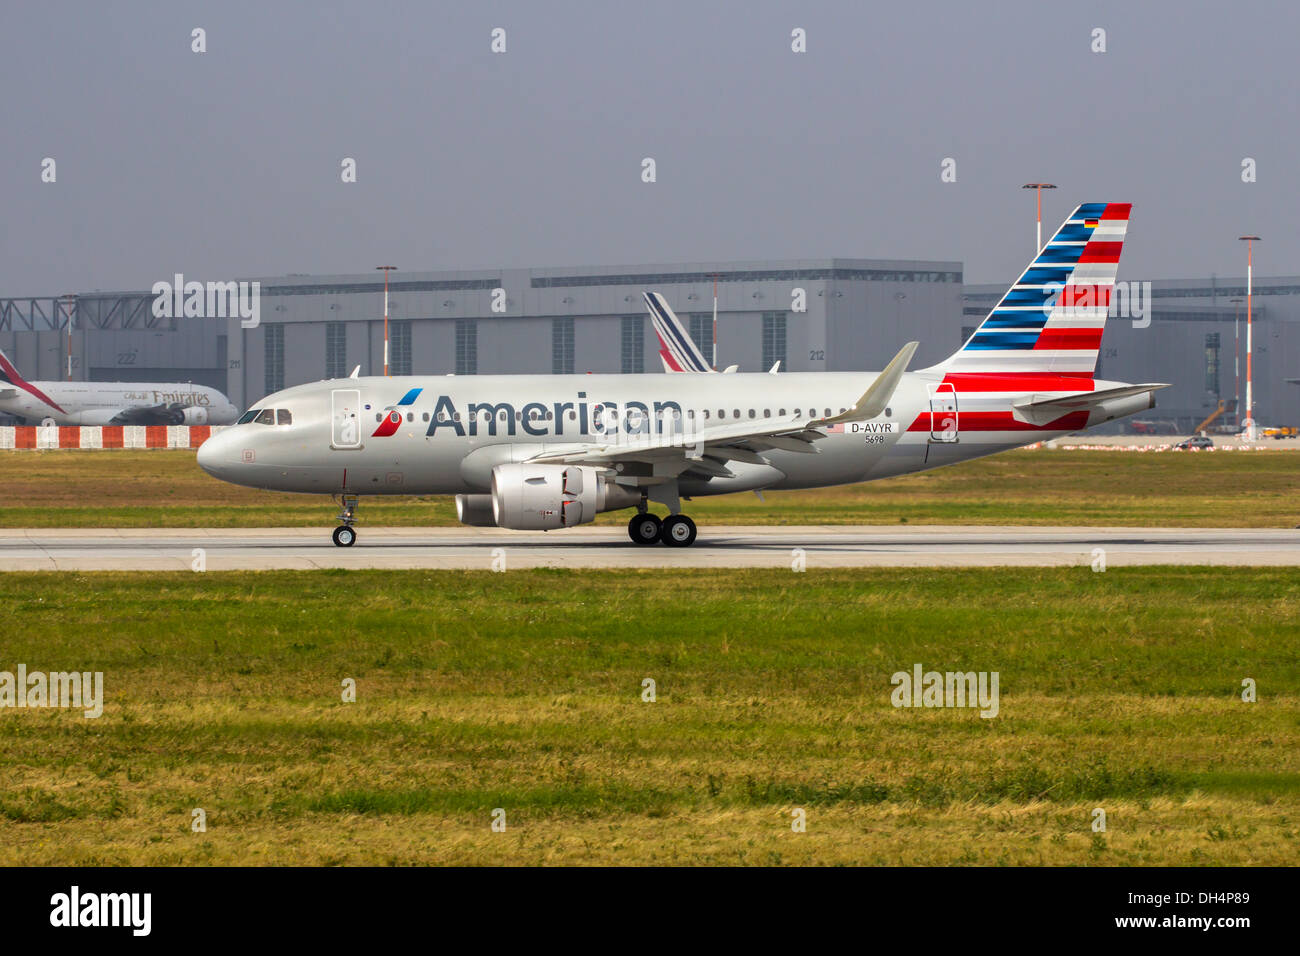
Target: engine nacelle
x,y
475,511
543,497
194,415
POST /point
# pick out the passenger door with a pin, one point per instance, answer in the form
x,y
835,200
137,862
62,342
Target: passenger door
x,y
943,412
345,419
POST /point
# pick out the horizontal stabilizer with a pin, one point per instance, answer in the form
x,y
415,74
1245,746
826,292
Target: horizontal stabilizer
x,y
1040,411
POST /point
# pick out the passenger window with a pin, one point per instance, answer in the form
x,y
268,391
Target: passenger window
x,y
247,417
410,416
283,417
424,417
783,412
265,417
379,416
767,413
751,413
735,413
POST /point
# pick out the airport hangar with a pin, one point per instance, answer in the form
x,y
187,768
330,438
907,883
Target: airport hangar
x,y
857,314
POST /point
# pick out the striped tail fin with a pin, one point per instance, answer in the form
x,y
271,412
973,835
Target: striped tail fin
x,y
9,375
677,350
1052,319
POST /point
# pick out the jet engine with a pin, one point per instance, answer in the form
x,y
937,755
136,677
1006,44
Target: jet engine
x,y
541,497
475,511
194,415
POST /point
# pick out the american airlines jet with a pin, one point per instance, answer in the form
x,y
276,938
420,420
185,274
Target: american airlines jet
x,y
546,452
111,403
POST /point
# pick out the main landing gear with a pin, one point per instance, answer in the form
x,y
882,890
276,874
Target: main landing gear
x,y
676,531
345,535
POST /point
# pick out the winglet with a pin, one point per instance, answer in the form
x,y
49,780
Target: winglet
x,y
355,372
877,396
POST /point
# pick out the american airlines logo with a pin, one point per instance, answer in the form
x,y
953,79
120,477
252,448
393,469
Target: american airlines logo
x,y
538,419
208,300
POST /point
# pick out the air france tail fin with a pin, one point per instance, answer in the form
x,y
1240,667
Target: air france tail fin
x,y
677,350
1051,320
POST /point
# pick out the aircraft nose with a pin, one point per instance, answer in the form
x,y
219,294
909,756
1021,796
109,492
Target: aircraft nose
x,y
217,455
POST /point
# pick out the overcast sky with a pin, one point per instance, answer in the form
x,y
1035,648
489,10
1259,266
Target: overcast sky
x,y
227,163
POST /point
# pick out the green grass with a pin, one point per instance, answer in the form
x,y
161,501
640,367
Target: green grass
x,y
131,489
522,691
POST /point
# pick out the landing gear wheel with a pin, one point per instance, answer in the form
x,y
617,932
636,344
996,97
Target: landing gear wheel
x,y
344,536
644,528
678,531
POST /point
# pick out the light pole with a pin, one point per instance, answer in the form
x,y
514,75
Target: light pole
x,y
716,276
1038,193
386,270
1252,432
1236,360
70,302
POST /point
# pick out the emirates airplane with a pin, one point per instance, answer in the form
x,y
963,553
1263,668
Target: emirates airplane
x,y
111,403
545,452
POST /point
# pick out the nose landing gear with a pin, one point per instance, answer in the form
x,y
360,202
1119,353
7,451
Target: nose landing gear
x,y
345,535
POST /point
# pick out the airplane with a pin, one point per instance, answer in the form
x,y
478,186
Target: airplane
x,y
545,452
111,403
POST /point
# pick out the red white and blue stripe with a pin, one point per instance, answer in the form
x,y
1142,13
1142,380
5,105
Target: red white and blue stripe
x,y
1051,320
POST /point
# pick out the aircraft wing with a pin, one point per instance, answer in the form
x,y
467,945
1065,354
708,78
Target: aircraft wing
x,y
662,457
707,449
163,414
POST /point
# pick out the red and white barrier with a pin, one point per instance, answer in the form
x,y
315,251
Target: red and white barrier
x,y
104,436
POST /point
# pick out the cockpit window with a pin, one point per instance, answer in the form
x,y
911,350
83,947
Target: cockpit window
x,y
283,417
247,417
265,417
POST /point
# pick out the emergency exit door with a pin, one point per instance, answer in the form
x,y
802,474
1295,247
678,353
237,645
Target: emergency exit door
x,y
345,418
943,412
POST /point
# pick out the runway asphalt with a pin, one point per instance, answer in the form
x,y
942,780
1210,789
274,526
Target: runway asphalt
x,y
609,548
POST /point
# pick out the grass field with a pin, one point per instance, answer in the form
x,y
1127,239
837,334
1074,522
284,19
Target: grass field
x,y
126,489
523,691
